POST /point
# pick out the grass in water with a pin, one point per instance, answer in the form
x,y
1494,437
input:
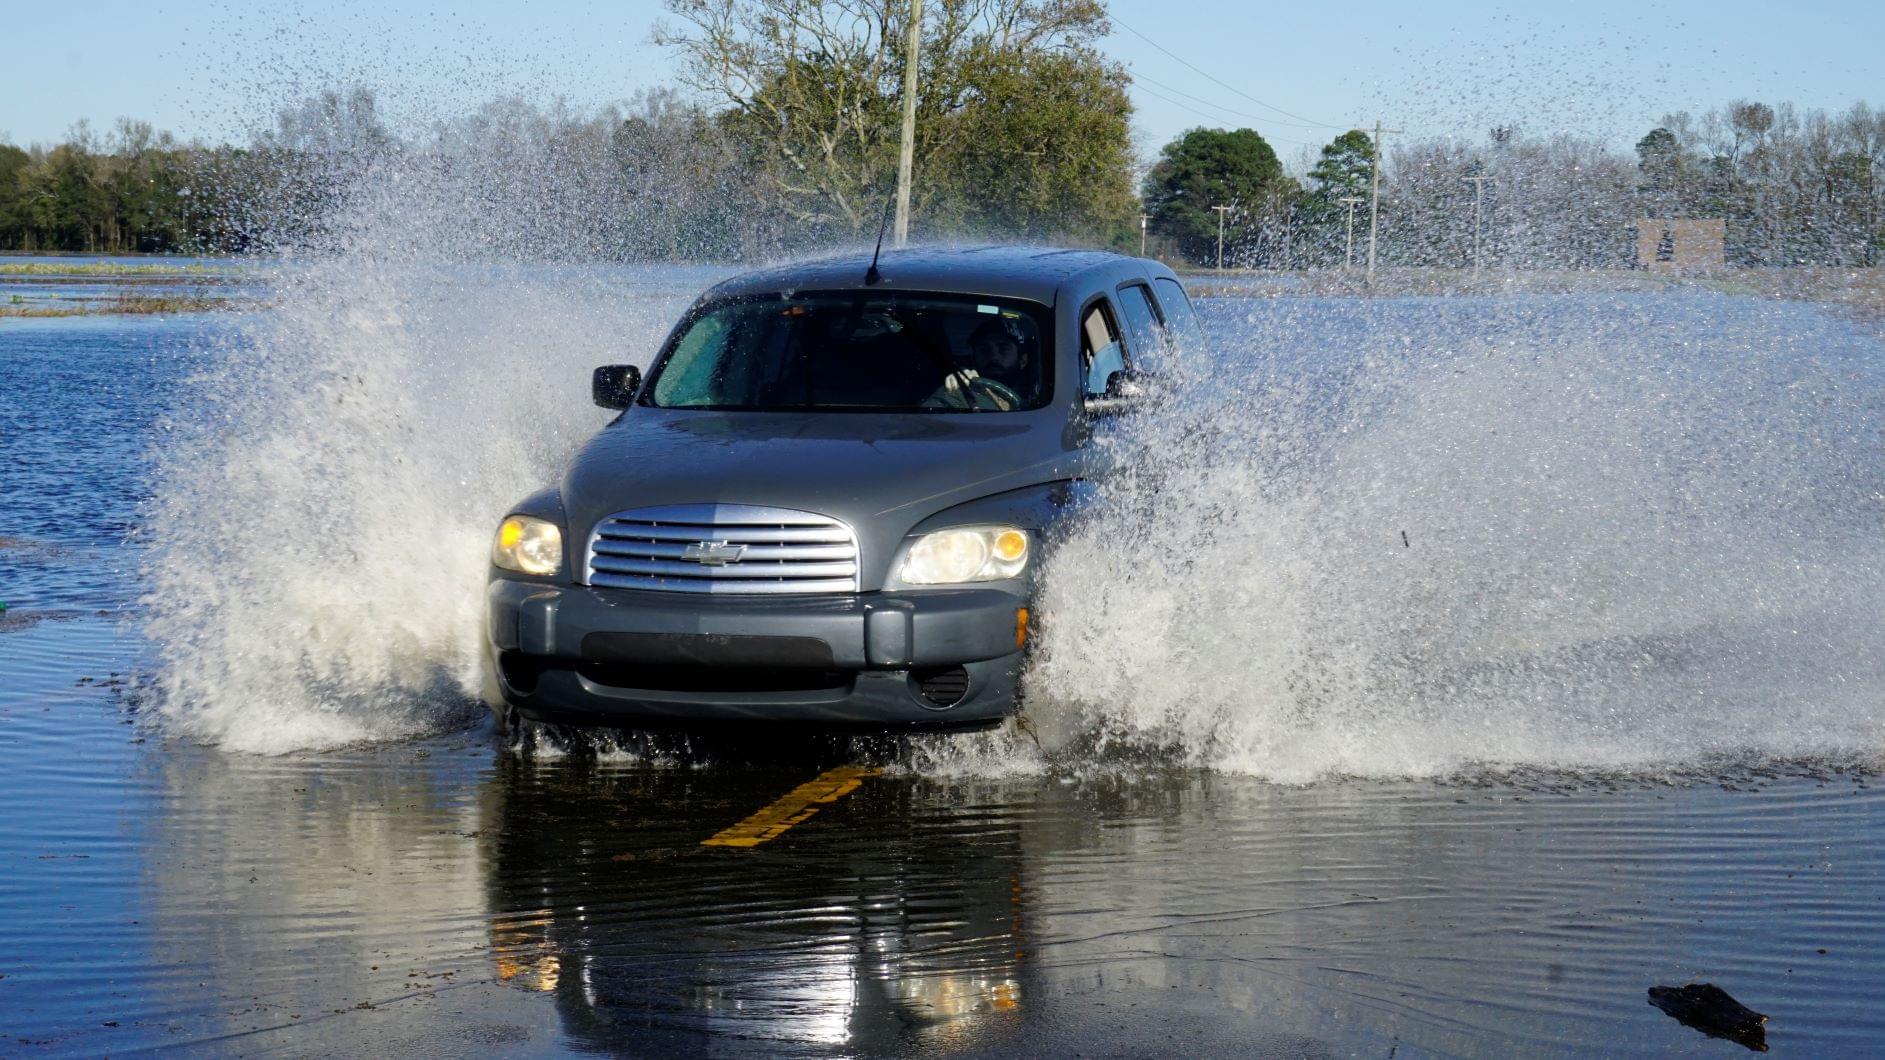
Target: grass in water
x,y
133,305
110,268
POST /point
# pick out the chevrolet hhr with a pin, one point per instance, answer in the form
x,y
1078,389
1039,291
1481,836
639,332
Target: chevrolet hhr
x,y
827,500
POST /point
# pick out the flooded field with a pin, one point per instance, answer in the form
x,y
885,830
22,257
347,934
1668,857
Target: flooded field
x,y
1605,716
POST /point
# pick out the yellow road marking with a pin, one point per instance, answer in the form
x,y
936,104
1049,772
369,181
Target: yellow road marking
x,y
793,807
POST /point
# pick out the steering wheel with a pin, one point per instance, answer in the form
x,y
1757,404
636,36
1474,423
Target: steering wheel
x,y
1004,397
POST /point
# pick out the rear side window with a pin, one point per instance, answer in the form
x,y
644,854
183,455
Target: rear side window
x,y
1143,333
1180,318
1100,354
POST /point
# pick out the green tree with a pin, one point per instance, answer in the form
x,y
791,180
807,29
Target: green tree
x,y
1203,169
14,226
69,204
1343,171
1344,168
1013,96
1668,186
1052,130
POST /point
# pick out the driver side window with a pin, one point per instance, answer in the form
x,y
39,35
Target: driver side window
x,y
1100,351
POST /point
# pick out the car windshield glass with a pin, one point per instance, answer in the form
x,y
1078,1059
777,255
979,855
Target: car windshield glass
x,y
865,351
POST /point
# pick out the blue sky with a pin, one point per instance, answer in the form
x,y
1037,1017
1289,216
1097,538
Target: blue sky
x,y
1296,72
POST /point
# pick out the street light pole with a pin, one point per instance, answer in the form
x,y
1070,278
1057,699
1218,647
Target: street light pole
x,y
1221,211
1142,220
1479,187
906,152
1348,246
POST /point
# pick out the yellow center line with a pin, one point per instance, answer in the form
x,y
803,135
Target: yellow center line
x,y
793,807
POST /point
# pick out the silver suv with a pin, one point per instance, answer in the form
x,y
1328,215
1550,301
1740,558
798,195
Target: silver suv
x,y
828,499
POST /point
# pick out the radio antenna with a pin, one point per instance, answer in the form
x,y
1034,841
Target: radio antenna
x,y
871,275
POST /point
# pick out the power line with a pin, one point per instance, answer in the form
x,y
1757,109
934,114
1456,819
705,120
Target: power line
x,y
1137,77
1224,84
1213,117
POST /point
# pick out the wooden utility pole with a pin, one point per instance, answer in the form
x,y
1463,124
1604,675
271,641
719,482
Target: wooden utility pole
x,y
906,154
1374,195
1221,211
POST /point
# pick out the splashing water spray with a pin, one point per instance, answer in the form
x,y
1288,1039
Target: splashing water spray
x,y
1363,536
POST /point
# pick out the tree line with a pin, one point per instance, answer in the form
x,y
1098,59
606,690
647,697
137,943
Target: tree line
x,y
785,138
130,190
1795,187
782,134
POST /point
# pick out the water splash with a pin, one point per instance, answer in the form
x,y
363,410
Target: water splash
x,y
324,505
1372,536
1408,536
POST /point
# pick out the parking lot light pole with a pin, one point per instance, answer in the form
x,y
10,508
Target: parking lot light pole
x,y
1479,188
1348,246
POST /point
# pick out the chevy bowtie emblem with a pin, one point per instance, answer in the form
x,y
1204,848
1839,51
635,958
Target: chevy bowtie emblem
x,y
713,553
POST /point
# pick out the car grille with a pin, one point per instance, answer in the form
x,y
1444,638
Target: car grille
x,y
723,548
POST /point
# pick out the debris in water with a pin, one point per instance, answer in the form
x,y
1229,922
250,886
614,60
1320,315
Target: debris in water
x,y
1708,1008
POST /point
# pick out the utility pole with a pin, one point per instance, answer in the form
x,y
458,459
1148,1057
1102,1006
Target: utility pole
x,y
1221,211
1479,187
1348,247
1142,220
1374,195
906,154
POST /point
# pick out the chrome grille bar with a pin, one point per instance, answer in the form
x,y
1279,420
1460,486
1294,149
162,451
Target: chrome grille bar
x,y
722,548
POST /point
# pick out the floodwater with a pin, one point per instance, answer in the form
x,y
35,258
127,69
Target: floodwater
x,y
1150,884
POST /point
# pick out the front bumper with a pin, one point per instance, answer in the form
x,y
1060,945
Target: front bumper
x,y
577,654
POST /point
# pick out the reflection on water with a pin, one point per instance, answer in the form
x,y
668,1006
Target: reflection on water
x,y
602,895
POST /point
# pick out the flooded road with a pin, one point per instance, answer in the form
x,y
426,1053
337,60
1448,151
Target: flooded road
x,y
449,891
446,894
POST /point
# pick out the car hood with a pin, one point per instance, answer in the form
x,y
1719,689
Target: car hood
x,y
881,473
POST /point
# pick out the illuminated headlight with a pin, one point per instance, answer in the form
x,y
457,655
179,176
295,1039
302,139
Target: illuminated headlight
x,y
966,554
532,546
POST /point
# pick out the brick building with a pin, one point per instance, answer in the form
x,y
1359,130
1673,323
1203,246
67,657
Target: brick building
x,y
1681,244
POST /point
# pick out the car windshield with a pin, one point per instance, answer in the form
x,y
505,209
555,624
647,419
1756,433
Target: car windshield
x,y
864,351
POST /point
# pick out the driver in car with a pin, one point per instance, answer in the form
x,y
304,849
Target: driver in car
x,y
1002,372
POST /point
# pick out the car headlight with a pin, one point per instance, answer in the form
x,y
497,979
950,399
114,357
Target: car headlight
x,y
529,545
966,554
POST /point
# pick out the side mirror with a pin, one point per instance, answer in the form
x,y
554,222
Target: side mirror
x,y
614,386
1125,385
1124,391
